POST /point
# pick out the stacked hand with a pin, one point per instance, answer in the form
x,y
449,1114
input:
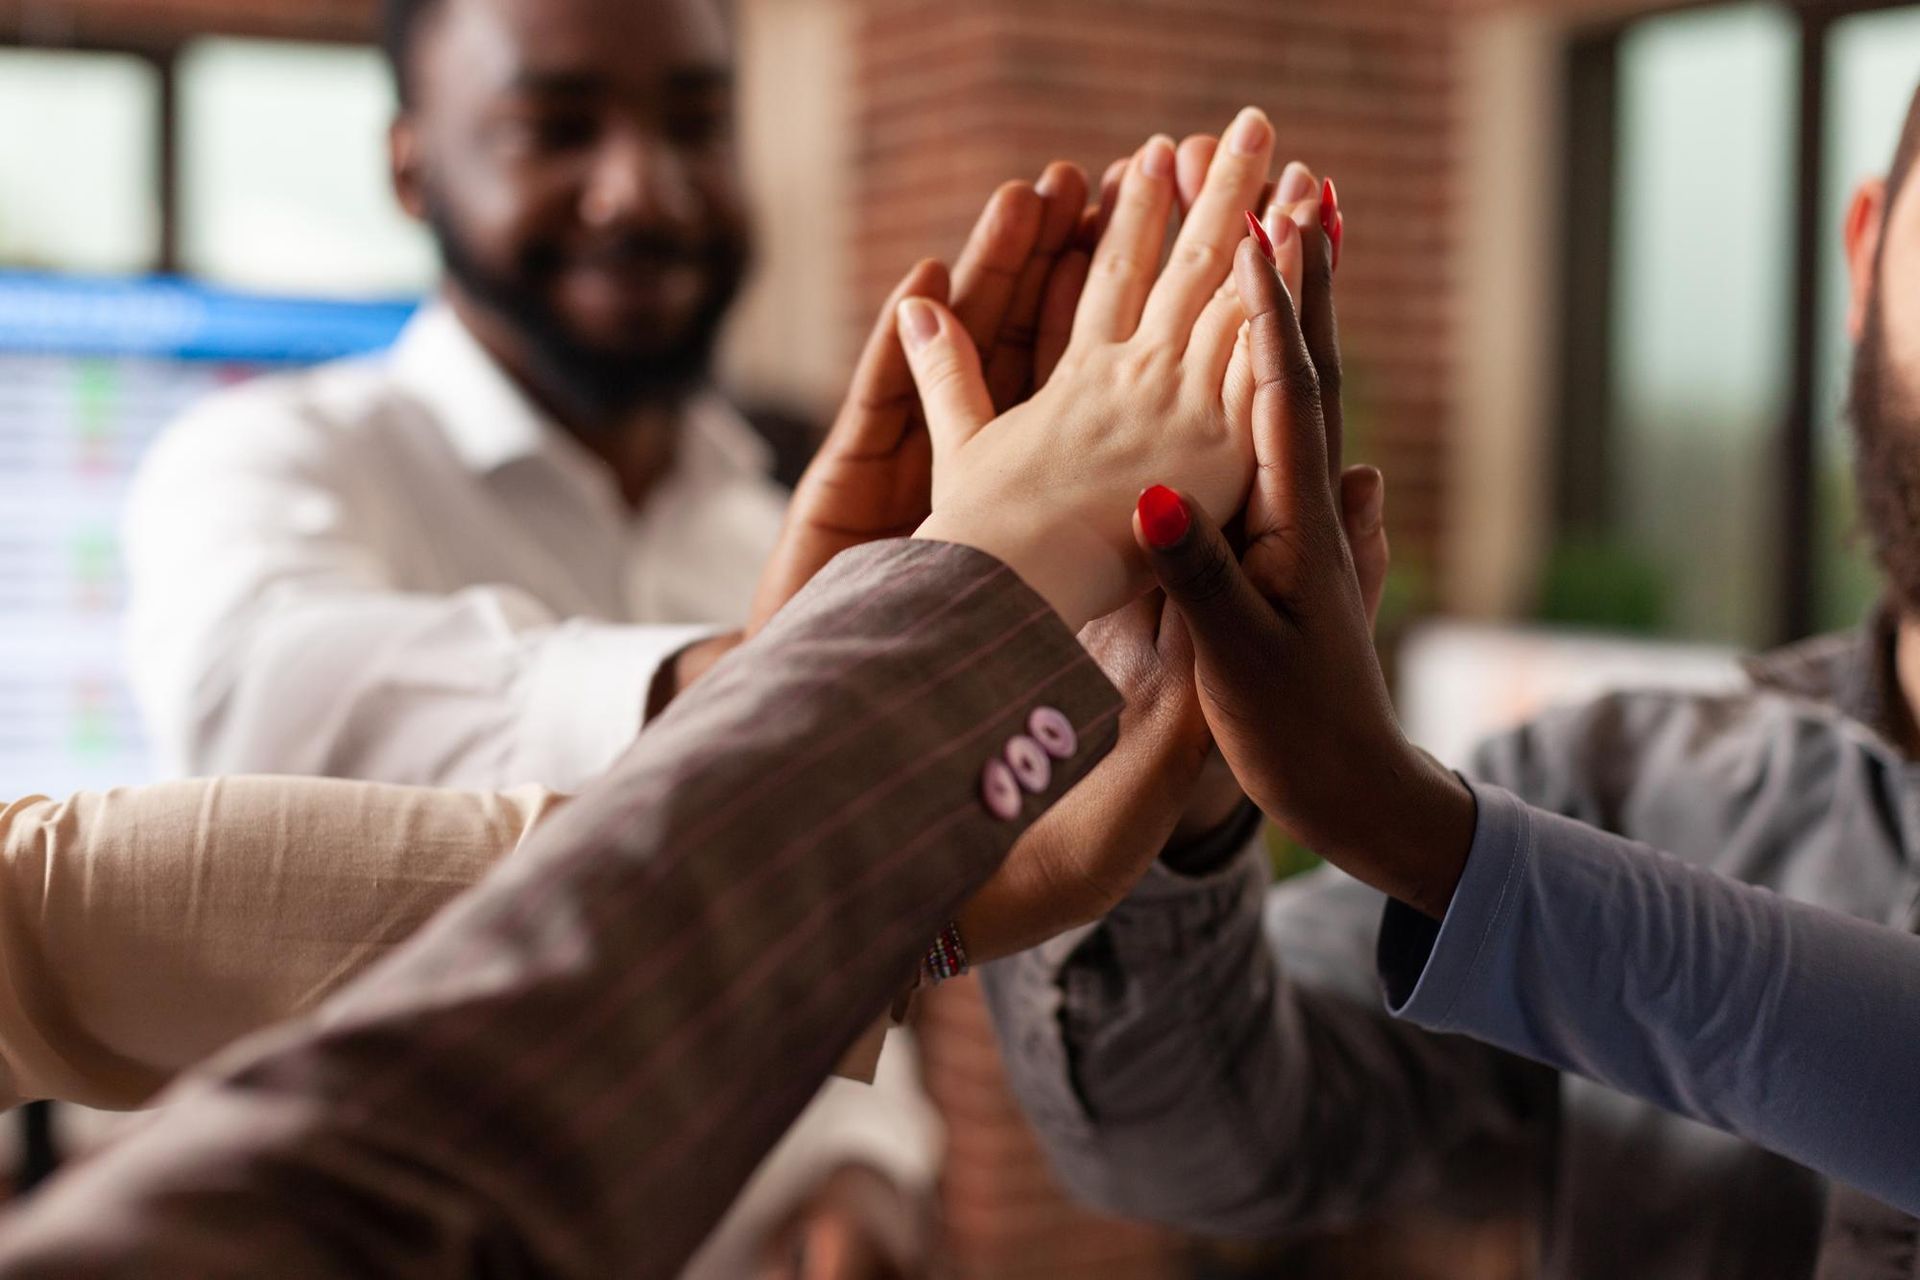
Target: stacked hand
x,y
1107,376
1284,660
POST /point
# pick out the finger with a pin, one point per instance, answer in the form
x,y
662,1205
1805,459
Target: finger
x,y
1109,199
1055,327
1203,253
1010,363
1216,333
1291,489
1318,320
1190,166
1125,264
881,404
1297,183
988,273
946,370
1363,506
1224,613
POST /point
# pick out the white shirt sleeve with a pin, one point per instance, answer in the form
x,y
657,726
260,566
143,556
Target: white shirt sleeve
x,y
268,634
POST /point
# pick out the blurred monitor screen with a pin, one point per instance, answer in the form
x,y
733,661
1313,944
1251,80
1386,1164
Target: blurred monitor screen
x,y
90,373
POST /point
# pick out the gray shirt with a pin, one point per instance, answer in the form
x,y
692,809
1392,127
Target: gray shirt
x,y
1216,1053
1795,1027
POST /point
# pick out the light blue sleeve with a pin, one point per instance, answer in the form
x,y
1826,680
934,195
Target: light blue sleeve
x,y
1794,1027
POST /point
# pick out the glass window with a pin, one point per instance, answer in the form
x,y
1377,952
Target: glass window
x,y
1873,66
284,182
79,162
1701,323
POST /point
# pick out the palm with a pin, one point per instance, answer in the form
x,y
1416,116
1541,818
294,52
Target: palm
x,y
872,478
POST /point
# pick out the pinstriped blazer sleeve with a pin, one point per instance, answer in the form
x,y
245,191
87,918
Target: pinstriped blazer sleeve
x,y
572,1070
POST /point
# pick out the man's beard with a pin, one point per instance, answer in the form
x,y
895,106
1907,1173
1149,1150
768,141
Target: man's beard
x,y
592,384
1886,432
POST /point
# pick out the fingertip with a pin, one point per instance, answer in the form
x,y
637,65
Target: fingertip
x,y
1162,519
1364,493
1296,184
928,279
920,322
1065,182
1157,157
1192,162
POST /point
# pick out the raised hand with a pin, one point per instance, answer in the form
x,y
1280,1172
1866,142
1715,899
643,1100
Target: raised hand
x,y
1287,675
1087,853
1014,289
1140,386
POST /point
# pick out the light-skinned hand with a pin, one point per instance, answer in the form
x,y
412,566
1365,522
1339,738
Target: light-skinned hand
x,y
1153,381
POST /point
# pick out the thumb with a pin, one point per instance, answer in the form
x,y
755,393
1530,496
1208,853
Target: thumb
x,y
1197,569
946,369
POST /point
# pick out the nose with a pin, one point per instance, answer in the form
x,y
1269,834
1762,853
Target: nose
x,y
638,179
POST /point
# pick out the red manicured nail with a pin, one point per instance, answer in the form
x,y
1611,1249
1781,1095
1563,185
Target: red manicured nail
x,y
1339,234
1163,518
1260,237
1330,217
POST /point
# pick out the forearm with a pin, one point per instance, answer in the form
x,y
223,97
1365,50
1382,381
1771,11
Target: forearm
x,y
145,929
1214,1056
1793,1027
572,1070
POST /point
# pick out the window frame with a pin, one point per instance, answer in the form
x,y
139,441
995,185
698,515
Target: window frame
x,y
159,41
1583,498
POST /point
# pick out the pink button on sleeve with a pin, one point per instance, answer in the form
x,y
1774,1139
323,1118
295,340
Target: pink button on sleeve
x,y
1052,730
1030,763
999,791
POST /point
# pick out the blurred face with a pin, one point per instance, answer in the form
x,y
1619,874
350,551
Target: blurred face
x,y
1883,244
576,161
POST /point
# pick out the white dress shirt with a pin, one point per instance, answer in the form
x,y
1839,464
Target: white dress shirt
x,y
397,569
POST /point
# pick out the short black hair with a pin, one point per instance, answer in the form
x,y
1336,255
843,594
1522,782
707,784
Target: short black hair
x,y
400,22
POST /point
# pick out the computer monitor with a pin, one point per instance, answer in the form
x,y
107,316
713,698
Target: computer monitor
x,y
90,373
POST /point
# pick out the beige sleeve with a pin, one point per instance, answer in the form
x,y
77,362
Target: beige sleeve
x,y
143,929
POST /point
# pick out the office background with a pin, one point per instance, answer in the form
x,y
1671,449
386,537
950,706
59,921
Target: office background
x,y
1591,306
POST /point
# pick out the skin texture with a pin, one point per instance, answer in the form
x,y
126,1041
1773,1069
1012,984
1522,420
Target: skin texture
x,y
1158,784
1287,675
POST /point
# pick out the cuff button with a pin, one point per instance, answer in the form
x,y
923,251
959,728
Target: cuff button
x,y
999,791
1030,763
1053,731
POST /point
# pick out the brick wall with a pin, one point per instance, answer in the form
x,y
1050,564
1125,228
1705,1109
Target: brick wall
x,y
952,99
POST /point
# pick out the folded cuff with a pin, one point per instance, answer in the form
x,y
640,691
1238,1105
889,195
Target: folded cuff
x,y
1426,967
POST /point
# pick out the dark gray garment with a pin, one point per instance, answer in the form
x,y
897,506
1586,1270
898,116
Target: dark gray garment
x,y
1216,1054
1795,1027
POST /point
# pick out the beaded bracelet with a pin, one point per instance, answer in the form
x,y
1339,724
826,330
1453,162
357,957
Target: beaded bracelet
x,y
946,958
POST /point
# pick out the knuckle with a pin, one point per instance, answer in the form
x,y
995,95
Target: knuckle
x,y
1200,257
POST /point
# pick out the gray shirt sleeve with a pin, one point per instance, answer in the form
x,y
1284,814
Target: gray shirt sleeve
x,y
1794,1027
1215,1055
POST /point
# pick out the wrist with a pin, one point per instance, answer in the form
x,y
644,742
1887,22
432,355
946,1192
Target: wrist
x,y
1411,834
1063,562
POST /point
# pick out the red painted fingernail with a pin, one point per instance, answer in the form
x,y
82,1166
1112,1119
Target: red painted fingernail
x,y
1339,238
1163,518
1260,237
1330,217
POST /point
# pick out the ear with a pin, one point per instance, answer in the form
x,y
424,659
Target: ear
x,y
403,159
1866,218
